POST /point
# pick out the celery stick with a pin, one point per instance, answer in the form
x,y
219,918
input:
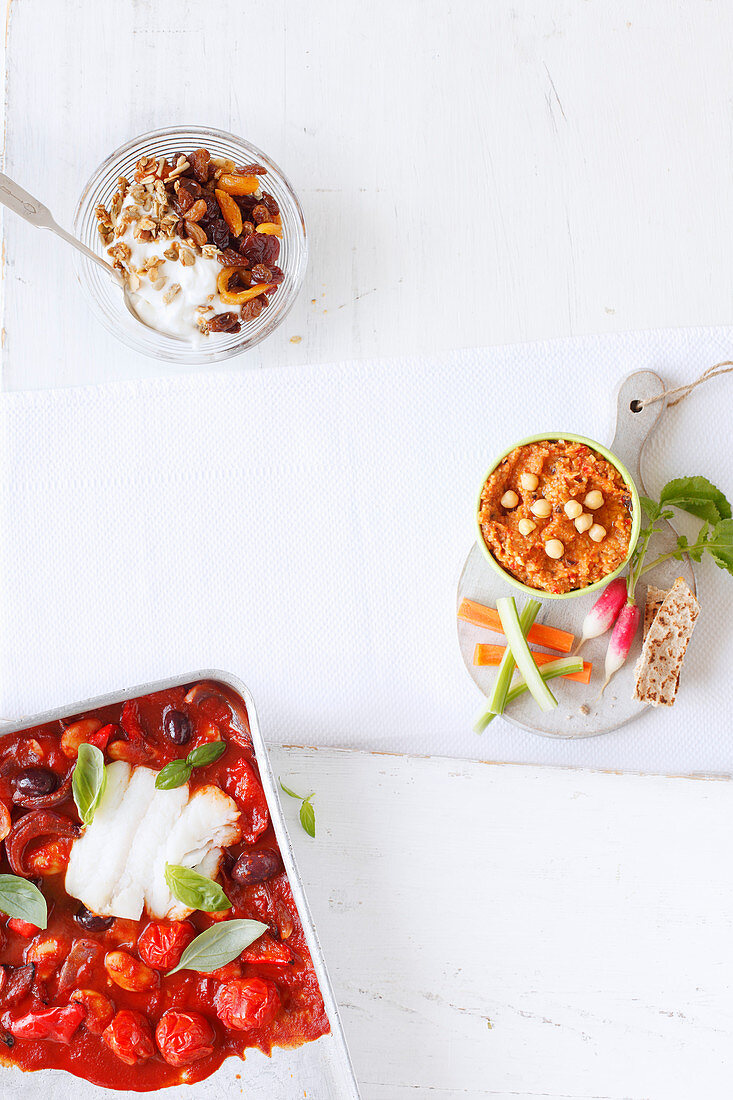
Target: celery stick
x,y
560,667
497,699
507,609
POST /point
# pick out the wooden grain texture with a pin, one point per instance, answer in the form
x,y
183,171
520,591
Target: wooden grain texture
x,y
497,930
472,173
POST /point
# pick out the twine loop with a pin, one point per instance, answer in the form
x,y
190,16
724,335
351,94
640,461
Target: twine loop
x,y
681,392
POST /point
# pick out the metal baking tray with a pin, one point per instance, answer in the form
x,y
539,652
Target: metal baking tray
x,y
319,1070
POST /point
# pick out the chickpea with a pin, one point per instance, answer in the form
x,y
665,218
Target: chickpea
x,y
573,509
529,482
583,523
541,508
510,499
594,499
526,527
554,548
597,533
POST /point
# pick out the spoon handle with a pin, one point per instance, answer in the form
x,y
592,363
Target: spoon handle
x,y
33,211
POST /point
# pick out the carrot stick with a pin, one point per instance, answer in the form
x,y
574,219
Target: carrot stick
x,y
548,636
485,654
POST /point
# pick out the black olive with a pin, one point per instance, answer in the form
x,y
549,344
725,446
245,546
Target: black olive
x,y
257,866
36,781
177,727
92,922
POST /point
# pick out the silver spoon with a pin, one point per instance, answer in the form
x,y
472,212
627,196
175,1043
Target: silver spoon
x,y
33,211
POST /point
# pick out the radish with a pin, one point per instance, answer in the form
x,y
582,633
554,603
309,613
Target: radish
x,y
623,635
604,612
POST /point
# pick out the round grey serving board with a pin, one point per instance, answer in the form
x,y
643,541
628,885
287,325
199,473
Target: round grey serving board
x,y
479,582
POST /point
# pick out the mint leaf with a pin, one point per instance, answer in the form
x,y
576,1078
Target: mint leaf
x,y
195,890
698,496
88,781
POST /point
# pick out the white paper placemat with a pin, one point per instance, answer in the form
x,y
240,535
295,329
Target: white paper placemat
x,y
305,529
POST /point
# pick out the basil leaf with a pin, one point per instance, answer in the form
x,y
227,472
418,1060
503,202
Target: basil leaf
x,y
698,496
308,817
288,791
173,775
88,781
195,890
219,944
206,754
20,898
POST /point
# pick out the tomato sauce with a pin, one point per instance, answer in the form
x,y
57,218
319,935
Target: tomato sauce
x,y
181,1027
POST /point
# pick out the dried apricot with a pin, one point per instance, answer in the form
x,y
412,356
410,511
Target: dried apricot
x,y
230,211
238,185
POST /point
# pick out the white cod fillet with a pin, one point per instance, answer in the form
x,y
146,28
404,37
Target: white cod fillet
x,y
117,866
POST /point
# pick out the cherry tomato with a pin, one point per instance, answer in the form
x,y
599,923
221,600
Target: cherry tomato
x,y
161,943
129,1037
184,1037
55,1024
98,1010
242,784
247,1003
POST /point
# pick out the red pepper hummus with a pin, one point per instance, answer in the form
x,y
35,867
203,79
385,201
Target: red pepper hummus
x,y
556,515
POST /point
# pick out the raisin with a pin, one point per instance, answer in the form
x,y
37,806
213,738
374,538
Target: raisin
x,y
224,322
212,206
247,228
247,204
260,213
271,250
261,274
270,203
200,162
277,274
218,233
230,258
254,247
251,310
251,170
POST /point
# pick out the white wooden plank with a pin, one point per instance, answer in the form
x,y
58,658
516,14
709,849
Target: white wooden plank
x,y
586,916
472,174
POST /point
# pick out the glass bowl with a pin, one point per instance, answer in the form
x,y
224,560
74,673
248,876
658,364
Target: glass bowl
x,y
540,593
106,300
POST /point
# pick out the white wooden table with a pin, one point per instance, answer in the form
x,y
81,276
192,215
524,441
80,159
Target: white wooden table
x,y
471,174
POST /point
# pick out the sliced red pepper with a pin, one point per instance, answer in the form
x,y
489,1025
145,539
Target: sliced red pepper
x,y
268,950
23,928
242,784
102,737
130,721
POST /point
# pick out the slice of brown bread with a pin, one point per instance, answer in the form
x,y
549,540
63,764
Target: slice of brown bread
x,y
654,600
658,667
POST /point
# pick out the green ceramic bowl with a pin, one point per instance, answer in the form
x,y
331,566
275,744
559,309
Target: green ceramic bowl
x,y
539,593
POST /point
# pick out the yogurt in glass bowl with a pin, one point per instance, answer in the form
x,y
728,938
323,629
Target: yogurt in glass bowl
x,y
182,285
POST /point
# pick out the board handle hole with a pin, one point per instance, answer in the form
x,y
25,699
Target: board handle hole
x,y
636,406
